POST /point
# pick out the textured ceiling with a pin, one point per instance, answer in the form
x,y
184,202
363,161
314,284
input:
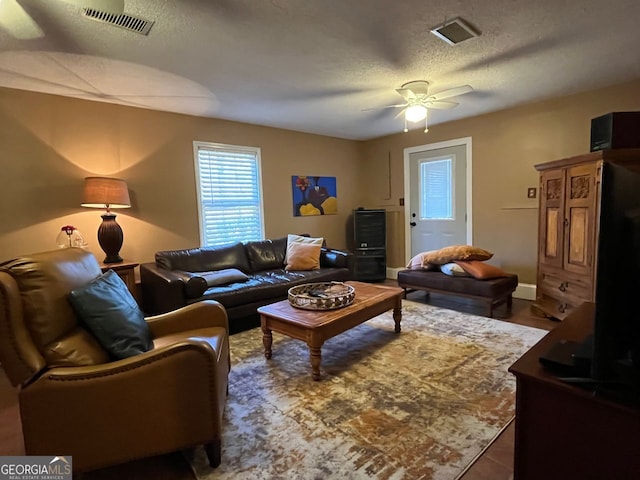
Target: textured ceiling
x,y
314,65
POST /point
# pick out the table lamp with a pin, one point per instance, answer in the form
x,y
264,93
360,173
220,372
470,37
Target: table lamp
x,y
104,192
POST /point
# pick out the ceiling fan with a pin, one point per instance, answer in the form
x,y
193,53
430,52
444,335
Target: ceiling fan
x,y
15,19
418,100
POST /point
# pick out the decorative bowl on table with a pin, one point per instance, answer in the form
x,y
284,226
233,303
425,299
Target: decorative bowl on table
x,y
321,296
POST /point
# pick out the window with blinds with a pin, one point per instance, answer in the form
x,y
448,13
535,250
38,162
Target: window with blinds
x,y
229,193
436,188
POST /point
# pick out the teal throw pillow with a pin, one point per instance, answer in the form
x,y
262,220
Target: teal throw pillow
x,y
109,311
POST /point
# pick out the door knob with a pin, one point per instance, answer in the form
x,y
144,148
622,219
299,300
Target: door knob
x,y
413,224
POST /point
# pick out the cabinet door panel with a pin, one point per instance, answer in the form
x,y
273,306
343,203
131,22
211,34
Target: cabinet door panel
x,y
580,214
578,232
553,242
550,243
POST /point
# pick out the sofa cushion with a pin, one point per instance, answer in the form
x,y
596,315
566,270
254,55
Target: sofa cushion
x,y
266,254
107,308
269,286
303,256
205,259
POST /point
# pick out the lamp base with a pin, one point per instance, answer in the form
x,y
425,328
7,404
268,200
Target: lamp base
x,y
112,259
110,238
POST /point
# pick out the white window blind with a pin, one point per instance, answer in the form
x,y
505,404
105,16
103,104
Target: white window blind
x,y
437,190
229,193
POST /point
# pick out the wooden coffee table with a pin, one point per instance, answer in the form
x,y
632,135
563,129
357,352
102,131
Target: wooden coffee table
x,y
316,326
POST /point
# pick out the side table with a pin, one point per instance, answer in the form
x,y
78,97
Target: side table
x,y
126,271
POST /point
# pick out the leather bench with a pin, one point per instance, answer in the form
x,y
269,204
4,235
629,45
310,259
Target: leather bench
x,y
493,291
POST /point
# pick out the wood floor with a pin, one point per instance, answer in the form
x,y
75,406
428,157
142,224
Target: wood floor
x,y
495,464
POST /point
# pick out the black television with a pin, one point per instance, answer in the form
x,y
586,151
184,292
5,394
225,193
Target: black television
x,y
608,360
615,360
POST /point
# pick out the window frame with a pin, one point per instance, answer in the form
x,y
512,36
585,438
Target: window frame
x,y
201,145
452,188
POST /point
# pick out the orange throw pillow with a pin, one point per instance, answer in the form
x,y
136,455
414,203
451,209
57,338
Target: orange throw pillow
x,y
480,270
456,252
303,256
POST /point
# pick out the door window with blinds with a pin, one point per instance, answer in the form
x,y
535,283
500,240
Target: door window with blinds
x,y
229,193
436,189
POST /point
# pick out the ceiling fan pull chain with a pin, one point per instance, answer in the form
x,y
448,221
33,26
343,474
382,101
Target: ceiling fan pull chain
x,y
426,129
405,124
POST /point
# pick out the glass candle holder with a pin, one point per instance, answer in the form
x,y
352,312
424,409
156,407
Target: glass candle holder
x,y
69,236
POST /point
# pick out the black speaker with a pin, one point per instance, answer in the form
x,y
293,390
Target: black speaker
x,y
370,241
615,130
369,228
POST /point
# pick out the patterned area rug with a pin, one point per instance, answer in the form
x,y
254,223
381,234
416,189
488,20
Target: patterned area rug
x,y
422,404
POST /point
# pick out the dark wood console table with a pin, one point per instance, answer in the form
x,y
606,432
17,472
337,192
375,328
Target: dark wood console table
x,y
564,431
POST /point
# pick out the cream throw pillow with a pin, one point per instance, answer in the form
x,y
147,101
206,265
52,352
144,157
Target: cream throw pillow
x,y
419,263
292,238
303,256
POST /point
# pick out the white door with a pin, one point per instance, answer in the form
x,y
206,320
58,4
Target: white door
x,y
437,198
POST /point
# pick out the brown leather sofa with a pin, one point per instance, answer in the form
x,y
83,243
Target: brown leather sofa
x,y
75,401
177,276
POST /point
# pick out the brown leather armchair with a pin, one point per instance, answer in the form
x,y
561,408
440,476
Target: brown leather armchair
x,y
75,401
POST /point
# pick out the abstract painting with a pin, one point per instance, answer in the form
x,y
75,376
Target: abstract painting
x,y
314,195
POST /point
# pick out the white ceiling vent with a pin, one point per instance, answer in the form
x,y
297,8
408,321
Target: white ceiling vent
x,y
454,31
122,20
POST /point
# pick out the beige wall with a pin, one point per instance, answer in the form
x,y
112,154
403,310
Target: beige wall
x,y
506,146
50,143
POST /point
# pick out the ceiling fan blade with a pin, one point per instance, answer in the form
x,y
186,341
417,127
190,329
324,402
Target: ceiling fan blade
x,y
380,108
452,92
441,105
406,94
17,22
109,6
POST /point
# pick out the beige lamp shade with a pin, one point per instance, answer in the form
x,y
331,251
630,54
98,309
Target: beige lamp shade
x,y
104,192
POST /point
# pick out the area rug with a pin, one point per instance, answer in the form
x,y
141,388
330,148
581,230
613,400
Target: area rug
x,y
422,404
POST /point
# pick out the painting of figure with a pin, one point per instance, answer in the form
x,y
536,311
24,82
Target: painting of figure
x,y
314,195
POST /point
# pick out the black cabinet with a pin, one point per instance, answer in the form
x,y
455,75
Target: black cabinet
x,y
370,244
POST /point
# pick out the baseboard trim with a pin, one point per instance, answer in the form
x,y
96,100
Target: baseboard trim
x,y
525,291
392,273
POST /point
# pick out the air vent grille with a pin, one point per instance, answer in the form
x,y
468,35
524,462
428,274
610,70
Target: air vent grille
x,y
122,20
454,31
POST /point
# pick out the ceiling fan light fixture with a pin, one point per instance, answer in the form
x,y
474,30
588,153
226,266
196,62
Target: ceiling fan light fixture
x,y
415,113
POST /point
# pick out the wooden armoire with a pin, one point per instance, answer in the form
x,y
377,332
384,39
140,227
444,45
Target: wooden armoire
x,y
568,229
